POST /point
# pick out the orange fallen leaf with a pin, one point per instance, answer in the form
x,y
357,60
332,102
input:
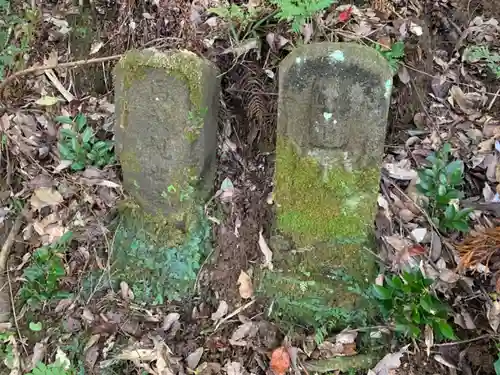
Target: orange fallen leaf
x,y
280,361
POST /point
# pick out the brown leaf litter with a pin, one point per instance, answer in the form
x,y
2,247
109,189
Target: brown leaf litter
x,y
480,252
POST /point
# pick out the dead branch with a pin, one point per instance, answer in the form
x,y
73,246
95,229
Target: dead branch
x,y
71,64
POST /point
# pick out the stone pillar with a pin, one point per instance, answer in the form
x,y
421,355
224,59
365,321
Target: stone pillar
x,y
333,106
166,131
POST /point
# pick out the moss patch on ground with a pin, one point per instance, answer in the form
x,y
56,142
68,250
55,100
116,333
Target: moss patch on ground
x,y
326,214
158,258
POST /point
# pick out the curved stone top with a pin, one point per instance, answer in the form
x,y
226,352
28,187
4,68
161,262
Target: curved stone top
x,y
335,97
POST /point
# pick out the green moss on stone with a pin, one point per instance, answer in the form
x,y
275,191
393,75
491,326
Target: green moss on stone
x,y
158,259
325,214
168,229
318,204
183,65
128,160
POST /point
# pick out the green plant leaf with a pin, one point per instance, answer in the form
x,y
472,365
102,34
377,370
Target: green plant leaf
x,y
496,365
427,303
450,212
35,327
87,135
68,133
65,152
446,149
442,190
398,50
64,120
78,166
381,292
455,168
66,237
80,121
460,225
446,330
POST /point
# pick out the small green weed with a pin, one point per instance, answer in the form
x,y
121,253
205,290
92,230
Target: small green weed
x,y
42,276
14,27
439,183
51,369
299,12
394,56
483,54
197,120
79,144
236,14
243,21
407,301
6,353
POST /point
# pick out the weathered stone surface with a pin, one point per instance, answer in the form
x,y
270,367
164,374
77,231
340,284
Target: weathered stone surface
x,y
333,106
166,126
166,131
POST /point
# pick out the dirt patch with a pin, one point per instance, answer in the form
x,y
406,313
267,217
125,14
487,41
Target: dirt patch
x,y
473,8
247,127
420,364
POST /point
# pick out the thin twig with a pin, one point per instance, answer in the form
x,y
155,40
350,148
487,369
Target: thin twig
x,y
14,314
446,79
207,259
485,336
71,64
235,312
4,253
493,100
302,365
370,328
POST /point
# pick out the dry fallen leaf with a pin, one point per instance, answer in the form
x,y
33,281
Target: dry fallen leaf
x,y
96,46
47,100
280,361
221,311
44,197
126,292
170,319
268,254
193,359
244,330
418,234
464,320
429,339
234,368
493,314
276,41
244,47
390,362
448,276
38,354
466,102
245,285
400,171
